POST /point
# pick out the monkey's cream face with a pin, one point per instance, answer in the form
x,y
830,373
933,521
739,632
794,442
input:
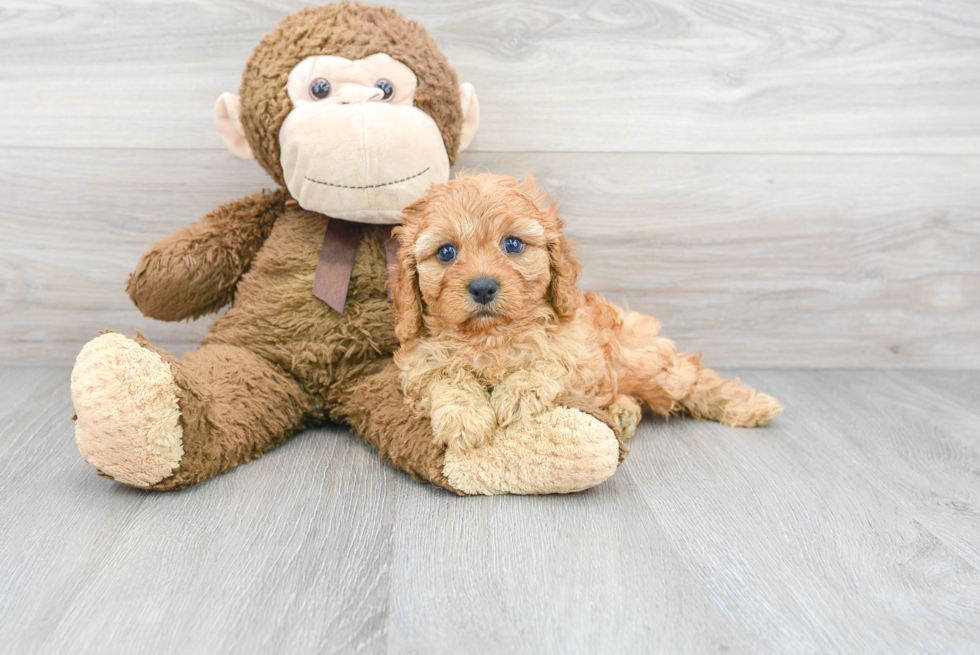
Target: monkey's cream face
x,y
355,146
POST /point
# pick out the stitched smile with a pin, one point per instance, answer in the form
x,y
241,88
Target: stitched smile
x,y
368,186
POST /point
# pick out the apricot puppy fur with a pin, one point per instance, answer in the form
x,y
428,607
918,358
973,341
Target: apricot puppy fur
x,y
494,330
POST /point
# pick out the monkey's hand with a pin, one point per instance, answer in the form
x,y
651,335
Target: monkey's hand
x,y
460,414
523,395
194,271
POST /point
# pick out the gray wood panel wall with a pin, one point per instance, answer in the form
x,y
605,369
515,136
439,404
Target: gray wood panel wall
x,y
783,184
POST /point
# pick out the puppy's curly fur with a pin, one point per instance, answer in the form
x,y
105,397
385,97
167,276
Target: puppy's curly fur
x,y
473,364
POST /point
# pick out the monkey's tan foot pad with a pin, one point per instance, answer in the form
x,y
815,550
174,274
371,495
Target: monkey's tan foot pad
x,y
125,398
559,451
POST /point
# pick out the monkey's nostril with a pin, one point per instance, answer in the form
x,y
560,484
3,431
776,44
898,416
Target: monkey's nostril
x,y
483,289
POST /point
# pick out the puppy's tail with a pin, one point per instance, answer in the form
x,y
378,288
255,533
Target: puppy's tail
x,y
651,368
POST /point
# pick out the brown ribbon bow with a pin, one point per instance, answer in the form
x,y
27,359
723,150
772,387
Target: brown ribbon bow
x,y
336,263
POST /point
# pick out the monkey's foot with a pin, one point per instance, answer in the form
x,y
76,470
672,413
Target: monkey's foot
x,y
560,451
128,421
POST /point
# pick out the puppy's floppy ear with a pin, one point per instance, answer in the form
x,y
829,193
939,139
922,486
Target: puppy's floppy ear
x,y
407,299
565,296
405,293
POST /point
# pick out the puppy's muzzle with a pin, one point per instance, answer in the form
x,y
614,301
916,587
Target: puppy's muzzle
x,y
483,290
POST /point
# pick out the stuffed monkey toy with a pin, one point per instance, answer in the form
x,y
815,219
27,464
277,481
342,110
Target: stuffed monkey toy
x,y
354,113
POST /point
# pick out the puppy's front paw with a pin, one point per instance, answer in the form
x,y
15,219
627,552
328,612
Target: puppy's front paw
x,y
463,427
513,403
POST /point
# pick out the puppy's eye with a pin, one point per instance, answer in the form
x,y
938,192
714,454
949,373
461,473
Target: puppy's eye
x,y
513,246
446,254
319,88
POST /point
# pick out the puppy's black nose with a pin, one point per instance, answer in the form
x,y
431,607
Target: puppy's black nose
x,y
483,289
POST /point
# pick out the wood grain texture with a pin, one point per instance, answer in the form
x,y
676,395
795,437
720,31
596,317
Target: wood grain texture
x,y
892,76
814,502
87,566
783,184
779,261
849,525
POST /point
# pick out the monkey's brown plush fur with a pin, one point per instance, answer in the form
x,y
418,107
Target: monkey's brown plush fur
x,y
351,31
280,358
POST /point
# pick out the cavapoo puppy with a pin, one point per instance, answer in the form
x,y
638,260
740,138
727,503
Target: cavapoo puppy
x,y
494,330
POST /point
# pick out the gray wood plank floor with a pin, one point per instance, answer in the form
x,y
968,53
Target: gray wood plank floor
x,y
852,524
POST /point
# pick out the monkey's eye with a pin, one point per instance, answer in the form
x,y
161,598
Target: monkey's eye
x,y
446,254
513,246
386,87
319,88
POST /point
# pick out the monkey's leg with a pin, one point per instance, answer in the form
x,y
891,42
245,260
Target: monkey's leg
x,y
667,380
149,421
559,451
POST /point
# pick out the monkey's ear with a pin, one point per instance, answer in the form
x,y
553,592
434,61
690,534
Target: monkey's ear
x,y
228,116
471,114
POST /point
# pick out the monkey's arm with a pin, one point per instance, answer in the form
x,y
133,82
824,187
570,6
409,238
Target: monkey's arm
x,y
194,271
